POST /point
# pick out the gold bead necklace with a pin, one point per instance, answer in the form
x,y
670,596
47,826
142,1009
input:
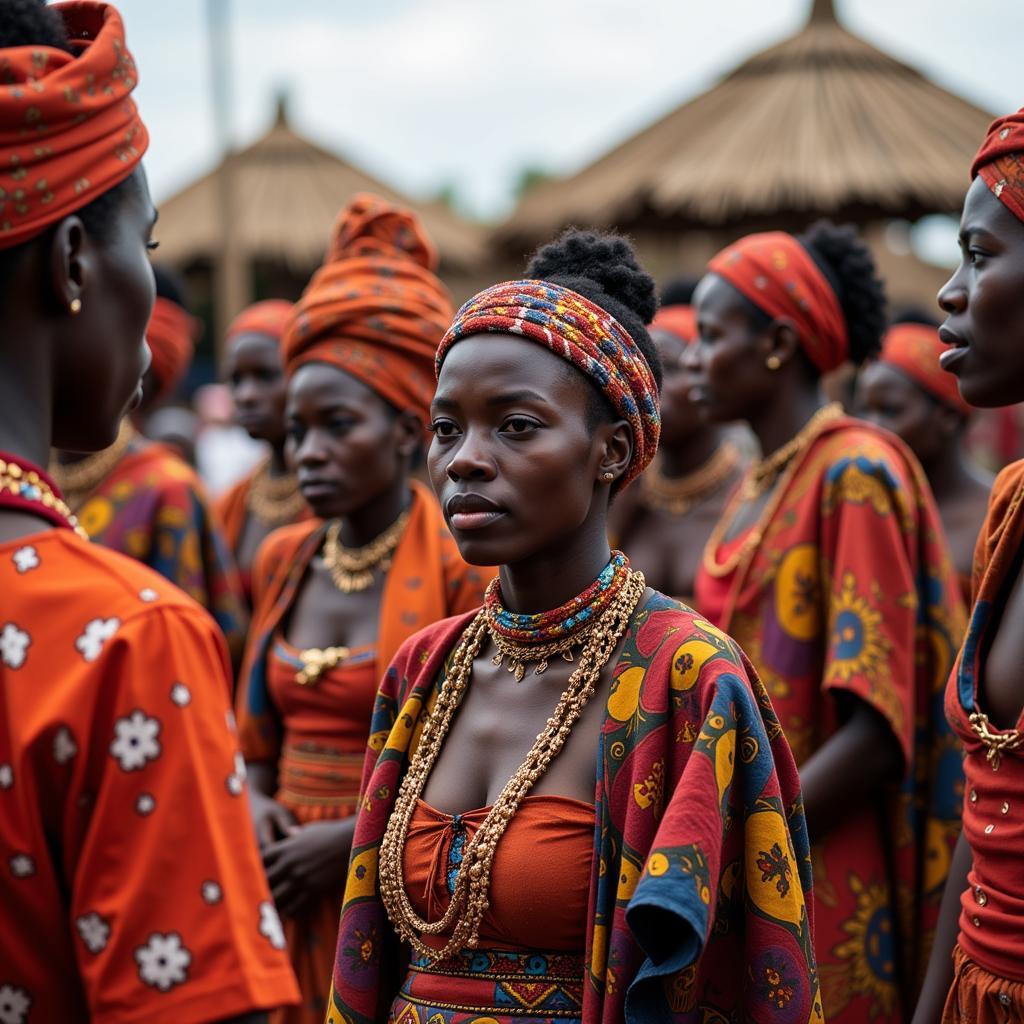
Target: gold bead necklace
x,y
30,487
471,897
274,500
352,569
677,495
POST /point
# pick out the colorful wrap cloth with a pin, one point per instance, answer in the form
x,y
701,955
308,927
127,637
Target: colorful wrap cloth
x,y
582,333
171,335
1000,162
777,274
914,349
68,130
269,317
680,321
375,309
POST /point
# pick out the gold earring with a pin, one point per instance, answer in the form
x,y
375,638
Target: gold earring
x,y
773,362
608,477
75,307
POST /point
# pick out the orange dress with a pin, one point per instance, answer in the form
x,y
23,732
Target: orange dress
x,y
130,881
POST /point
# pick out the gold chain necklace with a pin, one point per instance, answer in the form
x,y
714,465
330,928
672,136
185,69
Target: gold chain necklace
x,y
471,897
79,480
352,569
274,501
803,440
517,656
677,495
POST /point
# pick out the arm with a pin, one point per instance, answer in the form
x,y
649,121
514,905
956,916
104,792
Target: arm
x,y
939,977
848,769
270,819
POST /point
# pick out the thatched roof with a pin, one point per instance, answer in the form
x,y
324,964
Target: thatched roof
x,y
288,191
820,124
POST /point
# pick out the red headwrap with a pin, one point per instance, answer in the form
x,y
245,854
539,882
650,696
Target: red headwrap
x,y
999,161
375,309
580,332
678,320
68,130
269,317
915,349
171,336
776,273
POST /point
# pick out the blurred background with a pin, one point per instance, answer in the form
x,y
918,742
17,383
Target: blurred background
x,y
683,124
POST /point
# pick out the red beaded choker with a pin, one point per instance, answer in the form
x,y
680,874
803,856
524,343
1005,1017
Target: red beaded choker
x,y
26,487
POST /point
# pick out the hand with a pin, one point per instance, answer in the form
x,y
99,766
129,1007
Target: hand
x,y
272,821
309,862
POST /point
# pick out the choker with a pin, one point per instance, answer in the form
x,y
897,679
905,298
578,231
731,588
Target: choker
x,y
26,487
274,500
353,569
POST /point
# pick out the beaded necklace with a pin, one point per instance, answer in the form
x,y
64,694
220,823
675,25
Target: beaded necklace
x,y
24,486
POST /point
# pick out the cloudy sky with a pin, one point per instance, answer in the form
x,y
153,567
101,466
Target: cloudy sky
x,y
465,93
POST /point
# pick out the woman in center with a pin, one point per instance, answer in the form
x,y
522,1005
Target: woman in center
x,y
586,813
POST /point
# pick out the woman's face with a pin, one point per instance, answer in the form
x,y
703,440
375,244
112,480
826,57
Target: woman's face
x,y
255,378
346,444
514,460
680,416
102,353
890,399
727,363
984,303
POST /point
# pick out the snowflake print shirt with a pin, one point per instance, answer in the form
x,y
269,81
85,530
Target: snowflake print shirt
x,y
122,802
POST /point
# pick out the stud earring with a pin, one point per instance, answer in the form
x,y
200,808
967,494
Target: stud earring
x,y
75,307
773,362
608,477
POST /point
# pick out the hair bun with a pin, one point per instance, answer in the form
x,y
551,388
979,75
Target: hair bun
x,y
606,260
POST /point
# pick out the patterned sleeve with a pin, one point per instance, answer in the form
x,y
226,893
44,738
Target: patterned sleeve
x,y
168,901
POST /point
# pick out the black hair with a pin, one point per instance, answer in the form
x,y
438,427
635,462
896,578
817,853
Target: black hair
x,y
678,291
603,267
170,285
33,23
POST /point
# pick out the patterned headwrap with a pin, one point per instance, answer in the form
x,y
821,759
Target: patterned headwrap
x,y
915,349
581,332
1000,162
375,309
680,321
776,273
171,335
269,317
68,129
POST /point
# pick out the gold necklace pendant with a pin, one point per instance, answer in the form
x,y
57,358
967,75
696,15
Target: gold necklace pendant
x,y
516,656
995,741
317,661
353,569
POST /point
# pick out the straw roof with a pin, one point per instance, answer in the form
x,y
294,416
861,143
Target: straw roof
x,y
288,191
820,124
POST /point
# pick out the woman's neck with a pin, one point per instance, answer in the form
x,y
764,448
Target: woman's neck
x,y
278,463
950,475
25,425
364,524
781,421
685,456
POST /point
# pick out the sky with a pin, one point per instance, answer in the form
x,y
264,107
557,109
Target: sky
x,y
465,94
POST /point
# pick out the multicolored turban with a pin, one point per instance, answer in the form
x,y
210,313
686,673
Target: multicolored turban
x,y
68,129
777,274
171,335
915,349
680,321
582,333
375,309
269,317
1000,162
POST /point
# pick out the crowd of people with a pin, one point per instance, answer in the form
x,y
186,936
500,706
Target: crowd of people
x,y
567,656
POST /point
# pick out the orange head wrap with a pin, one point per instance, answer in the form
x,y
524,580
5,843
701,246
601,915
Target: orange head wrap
x,y
915,349
680,321
171,336
68,130
776,273
1000,161
375,309
269,317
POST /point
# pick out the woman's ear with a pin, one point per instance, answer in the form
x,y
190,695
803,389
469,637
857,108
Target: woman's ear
x,y
408,433
616,451
781,342
70,264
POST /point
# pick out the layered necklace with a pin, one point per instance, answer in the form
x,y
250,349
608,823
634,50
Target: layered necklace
x,y
471,897
274,500
353,569
79,480
774,471
25,487
677,495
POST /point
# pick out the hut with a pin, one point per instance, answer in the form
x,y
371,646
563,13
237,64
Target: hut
x,y
821,124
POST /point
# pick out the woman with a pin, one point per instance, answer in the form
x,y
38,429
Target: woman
x,y
663,522
269,497
830,568
981,920
669,790
336,598
130,883
142,499
906,391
